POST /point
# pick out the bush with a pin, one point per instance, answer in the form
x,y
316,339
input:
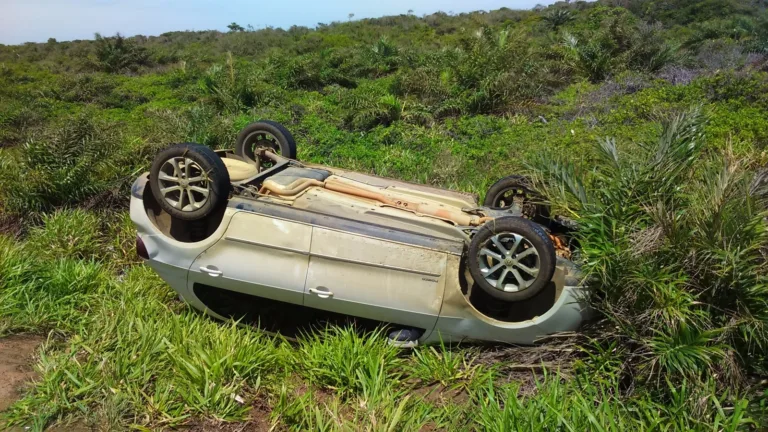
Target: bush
x,y
308,72
87,88
672,244
118,54
64,165
199,123
557,18
234,88
497,72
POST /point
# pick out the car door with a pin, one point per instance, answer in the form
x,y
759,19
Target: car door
x,y
374,278
257,255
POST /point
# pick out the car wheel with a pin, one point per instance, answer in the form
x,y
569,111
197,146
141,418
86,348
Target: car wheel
x,y
189,181
511,258
265,135
516,191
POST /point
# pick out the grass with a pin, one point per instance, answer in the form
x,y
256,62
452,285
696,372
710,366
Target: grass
x,y
671,209
446,366
123,352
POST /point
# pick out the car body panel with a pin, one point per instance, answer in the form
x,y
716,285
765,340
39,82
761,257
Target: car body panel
x,y
257,255
463,324
375,278
361,226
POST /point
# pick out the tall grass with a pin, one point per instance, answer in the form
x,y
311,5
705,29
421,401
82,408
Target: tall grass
x,y
597,406
342,360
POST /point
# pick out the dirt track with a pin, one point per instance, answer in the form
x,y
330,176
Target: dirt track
x,y
16,354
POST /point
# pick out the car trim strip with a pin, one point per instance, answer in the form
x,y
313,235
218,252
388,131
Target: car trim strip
x,y
384,266
267,245
333,258
342,224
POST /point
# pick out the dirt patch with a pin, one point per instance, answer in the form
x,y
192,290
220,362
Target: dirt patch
x,y
76,426
16,354
258,421
439,394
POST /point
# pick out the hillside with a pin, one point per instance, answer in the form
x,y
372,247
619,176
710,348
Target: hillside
x,y
644,120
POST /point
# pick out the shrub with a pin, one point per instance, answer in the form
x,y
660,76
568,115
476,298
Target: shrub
x,y
651,51
308,72
234,88
595,60
16,120
117,54
671,240
87,88
618,45
64,165
740,87
557,18
198,123
384,57
496,72
431,86
720,54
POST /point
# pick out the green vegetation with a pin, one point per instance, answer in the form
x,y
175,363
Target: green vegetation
x,y
647,121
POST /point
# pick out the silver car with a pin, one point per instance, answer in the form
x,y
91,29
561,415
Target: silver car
x,y
257,222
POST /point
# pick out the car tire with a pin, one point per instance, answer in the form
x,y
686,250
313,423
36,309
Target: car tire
x,y
189,181
502,190
262,134
500,263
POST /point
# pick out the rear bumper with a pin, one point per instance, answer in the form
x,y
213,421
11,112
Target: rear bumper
x,y
171,259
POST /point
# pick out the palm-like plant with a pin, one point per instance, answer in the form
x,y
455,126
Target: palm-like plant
x,y
232,88
117,53
595,59
64,166
558,17
384,56
496,72
671,239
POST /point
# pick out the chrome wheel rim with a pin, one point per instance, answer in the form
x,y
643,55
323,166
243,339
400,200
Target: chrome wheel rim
x,y
509,262
184,184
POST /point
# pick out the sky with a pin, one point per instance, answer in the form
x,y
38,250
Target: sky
x,y
37,20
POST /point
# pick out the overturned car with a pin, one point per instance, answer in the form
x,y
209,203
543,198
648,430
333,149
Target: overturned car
x,y
257,222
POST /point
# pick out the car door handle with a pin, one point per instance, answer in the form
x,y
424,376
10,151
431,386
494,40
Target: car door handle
x,y
322,293
212,271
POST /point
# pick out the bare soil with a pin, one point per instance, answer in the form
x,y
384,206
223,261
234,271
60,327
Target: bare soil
x,y
16,356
